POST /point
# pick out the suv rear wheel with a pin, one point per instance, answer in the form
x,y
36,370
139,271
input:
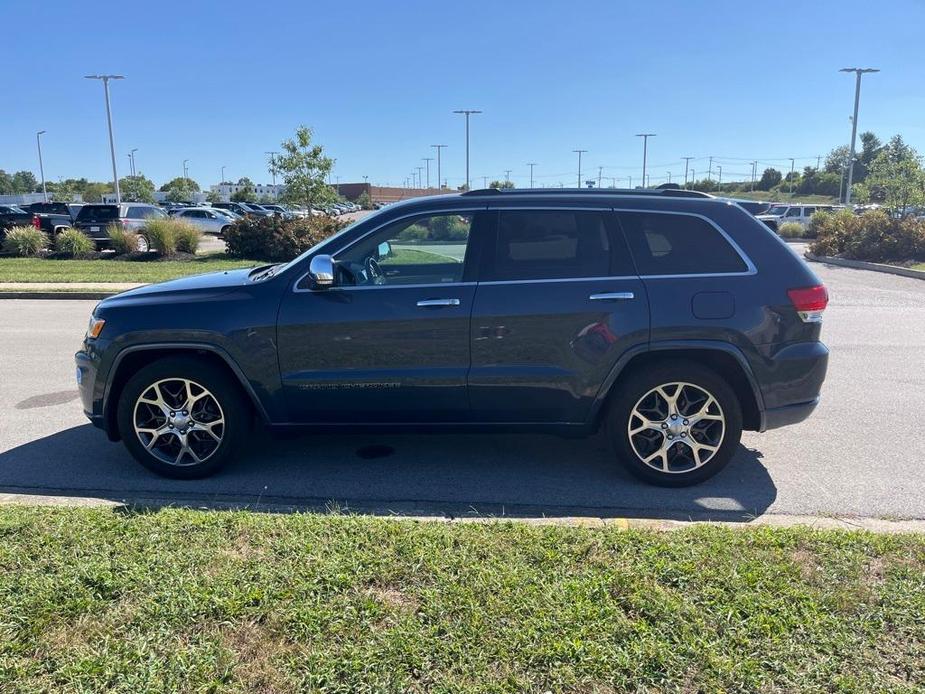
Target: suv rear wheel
x,y
676,424
182,417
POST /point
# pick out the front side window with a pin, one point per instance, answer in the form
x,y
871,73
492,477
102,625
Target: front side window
x,y
793,212
550,244
678,244
422,250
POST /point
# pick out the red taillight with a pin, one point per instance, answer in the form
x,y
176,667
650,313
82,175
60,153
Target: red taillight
x,y
36,222
809,302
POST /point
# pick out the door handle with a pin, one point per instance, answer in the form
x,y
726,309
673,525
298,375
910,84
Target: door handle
x,y
424,303
612,296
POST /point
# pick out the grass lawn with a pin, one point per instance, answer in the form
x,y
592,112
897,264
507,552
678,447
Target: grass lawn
x,y
919,266
413,256
102,271
778,197
189,601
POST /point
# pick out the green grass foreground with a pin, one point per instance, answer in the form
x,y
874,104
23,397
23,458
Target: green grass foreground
x,y
183,601
102,271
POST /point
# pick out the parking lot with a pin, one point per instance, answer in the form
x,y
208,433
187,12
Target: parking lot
x,y
861,454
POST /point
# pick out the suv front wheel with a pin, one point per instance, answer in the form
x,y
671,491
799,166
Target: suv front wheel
x,y
182,417
675,424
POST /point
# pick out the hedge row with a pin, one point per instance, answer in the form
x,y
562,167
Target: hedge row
x,y
873,236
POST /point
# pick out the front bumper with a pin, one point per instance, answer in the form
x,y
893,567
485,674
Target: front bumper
x,y
87,374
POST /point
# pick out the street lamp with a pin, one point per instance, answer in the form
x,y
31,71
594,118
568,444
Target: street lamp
x,y
531,164
645,147
112,145
791,176
131,156
579,152
438,148
185,168
467,112
427,161
854,122
38,141
223,175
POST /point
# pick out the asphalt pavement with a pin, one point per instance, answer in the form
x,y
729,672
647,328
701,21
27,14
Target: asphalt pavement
x,y
861,454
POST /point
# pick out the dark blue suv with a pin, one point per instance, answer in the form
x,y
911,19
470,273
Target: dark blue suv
x,y
673,319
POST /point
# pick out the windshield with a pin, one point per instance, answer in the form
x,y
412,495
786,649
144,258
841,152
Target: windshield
x,y
778,210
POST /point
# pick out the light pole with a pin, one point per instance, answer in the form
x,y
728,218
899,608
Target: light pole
x,y
427,161
223,175
687,161
507,175
754,174
185,168
720,184
600,173
710,170
645,147
438,148
854,122
669,177
112,145
420,177
38,141
132,157
467,112
791,177
531,164
579,152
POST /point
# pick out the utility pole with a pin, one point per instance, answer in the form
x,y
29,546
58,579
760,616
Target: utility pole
x,y
531,164
720,185
112,145
791,176
854,122
645,148
467,112
185,169
427,161
484,181
600,172
507,175
438,148
579,152
631,182
132,155
754,173
38,141
687,161
669,177
710,170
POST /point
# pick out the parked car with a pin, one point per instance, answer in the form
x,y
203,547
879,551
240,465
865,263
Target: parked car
x,y
205,219
670,319
53,217
280,210
243,209
13,216
94,220
780,214
754,207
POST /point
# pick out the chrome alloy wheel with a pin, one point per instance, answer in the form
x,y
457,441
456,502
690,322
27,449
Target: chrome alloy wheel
x,y
676,427
179,422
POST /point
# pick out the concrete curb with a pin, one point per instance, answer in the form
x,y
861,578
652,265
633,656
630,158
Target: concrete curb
x,y
864,265
768,520
81,296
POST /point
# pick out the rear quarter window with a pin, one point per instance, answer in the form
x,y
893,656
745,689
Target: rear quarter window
x,y
678,244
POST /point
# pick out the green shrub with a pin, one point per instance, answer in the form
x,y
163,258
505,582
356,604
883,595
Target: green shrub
x,y
415,232
161,234
24,241
122,240
74,243
872,236
790,230
276,239
186,236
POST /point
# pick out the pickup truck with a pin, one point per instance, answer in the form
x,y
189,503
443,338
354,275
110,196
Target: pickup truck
x,y
13,216
52,217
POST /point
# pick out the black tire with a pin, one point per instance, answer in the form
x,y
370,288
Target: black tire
x,y
232,406
630,391
221,234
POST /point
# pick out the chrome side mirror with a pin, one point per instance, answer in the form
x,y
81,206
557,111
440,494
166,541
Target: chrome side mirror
x,y
321,272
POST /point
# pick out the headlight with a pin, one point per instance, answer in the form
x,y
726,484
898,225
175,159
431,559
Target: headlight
x,y
95,327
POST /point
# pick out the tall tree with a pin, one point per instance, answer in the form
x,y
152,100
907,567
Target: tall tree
x,y
182,182
304,169
25,182
896,177
137,189
769,178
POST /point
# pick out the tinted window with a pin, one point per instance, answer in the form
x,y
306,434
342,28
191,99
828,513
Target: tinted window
x,y
422,250
550,244
676,244
98,213
143,212
793,212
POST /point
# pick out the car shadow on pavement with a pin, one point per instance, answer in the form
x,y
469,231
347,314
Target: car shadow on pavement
x,y
453,475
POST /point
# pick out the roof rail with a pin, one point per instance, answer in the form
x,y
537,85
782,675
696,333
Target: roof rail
x,y
663,192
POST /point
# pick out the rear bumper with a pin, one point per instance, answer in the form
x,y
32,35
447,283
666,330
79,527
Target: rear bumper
x,y
791,381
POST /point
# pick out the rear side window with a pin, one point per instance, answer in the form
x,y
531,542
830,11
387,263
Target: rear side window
x,y
678,244
552,244
143,212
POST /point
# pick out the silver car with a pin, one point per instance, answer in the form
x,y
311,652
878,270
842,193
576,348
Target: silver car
x,y
206,219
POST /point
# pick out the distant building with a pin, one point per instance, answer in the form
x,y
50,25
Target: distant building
x,y
261,190
352,191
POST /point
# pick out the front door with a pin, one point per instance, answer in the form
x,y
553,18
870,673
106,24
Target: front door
x,y
558,302
390,341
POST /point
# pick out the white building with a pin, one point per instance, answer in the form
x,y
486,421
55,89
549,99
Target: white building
x,y
261,190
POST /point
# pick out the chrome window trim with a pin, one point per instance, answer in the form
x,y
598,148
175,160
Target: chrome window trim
x,y
353,288
562,279
334,254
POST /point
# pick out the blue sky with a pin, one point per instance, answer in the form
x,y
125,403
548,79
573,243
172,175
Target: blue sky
x,y
222,83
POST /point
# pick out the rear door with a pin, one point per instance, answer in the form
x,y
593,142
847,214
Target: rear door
x,y
558,302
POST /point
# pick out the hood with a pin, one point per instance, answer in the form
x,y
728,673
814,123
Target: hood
x,y
211,283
